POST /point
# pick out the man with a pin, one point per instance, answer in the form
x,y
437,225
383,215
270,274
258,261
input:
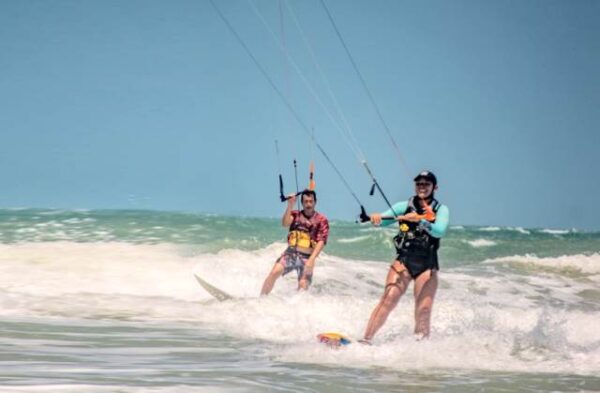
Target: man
x,y
423,221
308,232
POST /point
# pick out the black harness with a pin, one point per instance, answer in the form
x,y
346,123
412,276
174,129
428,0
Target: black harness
x,y
416,248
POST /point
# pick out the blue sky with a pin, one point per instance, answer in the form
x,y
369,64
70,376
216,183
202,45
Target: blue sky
x,y
155,105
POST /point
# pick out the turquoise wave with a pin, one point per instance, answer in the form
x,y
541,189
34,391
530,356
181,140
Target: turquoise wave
x,y
212,233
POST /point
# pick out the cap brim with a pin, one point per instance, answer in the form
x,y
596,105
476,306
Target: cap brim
x,y
431,179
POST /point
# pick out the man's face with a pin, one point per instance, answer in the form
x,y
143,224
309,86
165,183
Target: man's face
x,y
308,203
423,188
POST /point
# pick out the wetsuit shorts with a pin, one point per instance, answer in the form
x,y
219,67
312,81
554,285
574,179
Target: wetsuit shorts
x,y
418,260
292,259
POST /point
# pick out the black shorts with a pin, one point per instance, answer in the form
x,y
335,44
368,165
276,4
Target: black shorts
x,y
418,262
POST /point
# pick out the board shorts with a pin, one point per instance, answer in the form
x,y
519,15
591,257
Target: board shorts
x,y
292,259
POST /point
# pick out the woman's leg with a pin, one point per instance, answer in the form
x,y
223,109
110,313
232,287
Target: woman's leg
x,y
396,283
425,288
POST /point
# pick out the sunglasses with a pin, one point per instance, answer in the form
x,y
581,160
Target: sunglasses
x,y
423,184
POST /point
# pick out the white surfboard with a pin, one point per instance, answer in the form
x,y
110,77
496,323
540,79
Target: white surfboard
x,y
214,291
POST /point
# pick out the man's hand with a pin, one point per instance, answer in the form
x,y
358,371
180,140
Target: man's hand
x,y
291,200
309,266
307,274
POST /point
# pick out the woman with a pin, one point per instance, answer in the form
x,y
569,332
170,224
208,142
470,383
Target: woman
x,y
423,221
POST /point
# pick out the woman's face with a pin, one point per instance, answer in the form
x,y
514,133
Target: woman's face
x,y
423,188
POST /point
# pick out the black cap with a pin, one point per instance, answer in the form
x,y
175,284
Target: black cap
x,y
427,175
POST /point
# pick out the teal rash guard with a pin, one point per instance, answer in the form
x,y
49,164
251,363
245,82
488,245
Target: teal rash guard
x,y
437,229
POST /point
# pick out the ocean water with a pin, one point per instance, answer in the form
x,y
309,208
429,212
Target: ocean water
x,y
105,301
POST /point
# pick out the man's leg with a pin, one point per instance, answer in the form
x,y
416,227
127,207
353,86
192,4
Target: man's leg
x,y
272,277
425,288
305,279
396,283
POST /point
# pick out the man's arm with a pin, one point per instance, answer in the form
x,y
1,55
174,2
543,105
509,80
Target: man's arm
x,y
316,251
321,239
288,218
310,263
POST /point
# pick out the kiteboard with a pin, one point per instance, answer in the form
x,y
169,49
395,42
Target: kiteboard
x,y
214,291
333,339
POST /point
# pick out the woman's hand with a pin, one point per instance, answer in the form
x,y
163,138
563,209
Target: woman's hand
x,y
376,219
410,217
